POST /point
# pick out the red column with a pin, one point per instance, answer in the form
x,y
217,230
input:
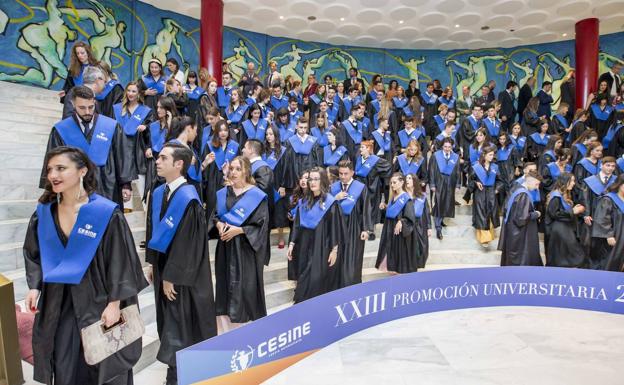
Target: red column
x,y
211,37
586,59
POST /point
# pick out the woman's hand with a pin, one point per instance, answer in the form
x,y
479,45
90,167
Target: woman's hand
x,y
111,314
141,127
151,92
382,206
611,241
289,254
429,232
149,154
281,191
578,209
480,186
333,256
230,232
398,227
31,300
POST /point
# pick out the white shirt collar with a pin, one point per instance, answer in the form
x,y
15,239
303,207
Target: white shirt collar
x,y
175,184
252,160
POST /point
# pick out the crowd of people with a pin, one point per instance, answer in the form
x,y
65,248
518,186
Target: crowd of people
x,y
329,162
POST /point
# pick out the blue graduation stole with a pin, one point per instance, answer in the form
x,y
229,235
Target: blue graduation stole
x,y
206,137
409,167
474,154
221,155
620,163
130,122
399,103
101,140
236,115
272,159
512,198
613,130
619,106
362,169
255,132
194,94
441,137
395,208
590,167
555,171
408,111
449,102
473,122
384,142
78,79
242,209
550,153
163,230
286,132
107,89
519,142
535,194
310,218
619,203
194,171
493,128
562,120
68,264
503,153
539,140
298,96
601,114
353,193
331,158
294,117
365,121
419,205
373,95
223,97
582,149
487,178
302,148
158,85
376,106
315,98
320,136
430,99
264,111
157,135
354,133
405,138
557,194
250,101
257,164
282,102
595,184
445,167
348,104
332,113
439,120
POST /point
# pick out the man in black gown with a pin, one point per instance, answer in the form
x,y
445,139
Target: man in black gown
x,y
178,253
102,139
92,78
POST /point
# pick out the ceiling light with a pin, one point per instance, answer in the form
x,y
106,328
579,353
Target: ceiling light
x,y
281,17
456,25
342,19
400,21
564,35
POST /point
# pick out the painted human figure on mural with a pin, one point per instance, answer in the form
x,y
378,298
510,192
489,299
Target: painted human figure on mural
x,y
237,63
310,66
476,72
346,61
4,21
564,69
294,57
412,67
165,39
525,67
606,61
46,43
108,34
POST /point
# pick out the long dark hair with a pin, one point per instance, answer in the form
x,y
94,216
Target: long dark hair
x,y
216,142
298,191
417,189
561,185
552,140
487,148
504,134
74,64
619,181
81,160
178,124
308,195
487,140
278,143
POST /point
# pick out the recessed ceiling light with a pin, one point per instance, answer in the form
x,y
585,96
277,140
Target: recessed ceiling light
x,y
564,35
456,25
485,28
311,18
400,21
281,17
342,19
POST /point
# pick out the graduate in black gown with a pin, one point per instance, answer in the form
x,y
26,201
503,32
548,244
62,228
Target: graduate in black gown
x,y
236,113
413,131
586,167
68,293
518,140
373,171
317,232
242,219
293,206
412,161
551,171
333,152
273,155
103,141
579,125
112,93
508,161
195,94
579,146
608,228
302,153
561,241
178,255
444,179
396,247
537,141
351,195
559,124
184,131
153,83
555,142
595,187
382,140
134,117
485,183
422,214
469,127
353,131
254,127
519,241
613,141
601,115
80,58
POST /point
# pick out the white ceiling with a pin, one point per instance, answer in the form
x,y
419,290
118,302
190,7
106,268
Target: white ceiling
x,y
415,24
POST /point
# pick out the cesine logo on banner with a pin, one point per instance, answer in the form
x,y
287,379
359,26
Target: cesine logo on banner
x,y
242,359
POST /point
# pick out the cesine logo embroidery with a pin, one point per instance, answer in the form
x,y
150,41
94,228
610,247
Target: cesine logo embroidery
x,y
86,231
169,221
242,359
101,136
240,212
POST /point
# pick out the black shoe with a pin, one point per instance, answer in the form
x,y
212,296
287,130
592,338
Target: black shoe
x,y
371,236
443,224
142,245
457,203
439,234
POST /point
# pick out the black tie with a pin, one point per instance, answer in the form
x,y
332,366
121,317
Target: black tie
x,y
606,178
163,206
87,130
344,187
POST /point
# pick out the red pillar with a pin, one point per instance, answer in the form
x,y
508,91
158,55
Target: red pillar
x,y
211,37
586,59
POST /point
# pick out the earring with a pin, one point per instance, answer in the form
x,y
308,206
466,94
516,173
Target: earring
x,y
81,190
58,198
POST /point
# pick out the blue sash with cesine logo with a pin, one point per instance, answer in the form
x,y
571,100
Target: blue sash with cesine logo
x,y
101,140
165,229
130,122
241,210
409,167
157,135
486,177
68,264
363,169
353,193
310,218
396,207
107,90
222,156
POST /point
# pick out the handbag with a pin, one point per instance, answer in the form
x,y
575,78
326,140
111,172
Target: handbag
x,y
100,342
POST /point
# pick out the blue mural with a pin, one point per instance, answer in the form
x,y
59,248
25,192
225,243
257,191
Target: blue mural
x,y
36,37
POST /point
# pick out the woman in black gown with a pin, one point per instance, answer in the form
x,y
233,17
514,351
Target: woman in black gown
x,y
274,157
69,293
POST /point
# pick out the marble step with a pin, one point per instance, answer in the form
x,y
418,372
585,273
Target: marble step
x,y
38,106
20,192
29,149
16,209
35,120
13,135
40,110
19,176
29,161
9,90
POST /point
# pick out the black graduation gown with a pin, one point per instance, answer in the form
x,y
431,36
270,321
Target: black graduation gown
x,y
445,185
295,164
580,173
519,240
375,181
311,253
608,222
599,125
589,199
264,181
577,129
279,217
484,202
398,250
530,123
115,273
137,145
239,266
563,248
117,171
420,236
213,182
507,169
534,150
186,264
114,96
466,135
423,171
353,247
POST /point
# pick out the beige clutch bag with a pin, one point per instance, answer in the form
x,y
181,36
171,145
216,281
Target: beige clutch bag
x,y
98,342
